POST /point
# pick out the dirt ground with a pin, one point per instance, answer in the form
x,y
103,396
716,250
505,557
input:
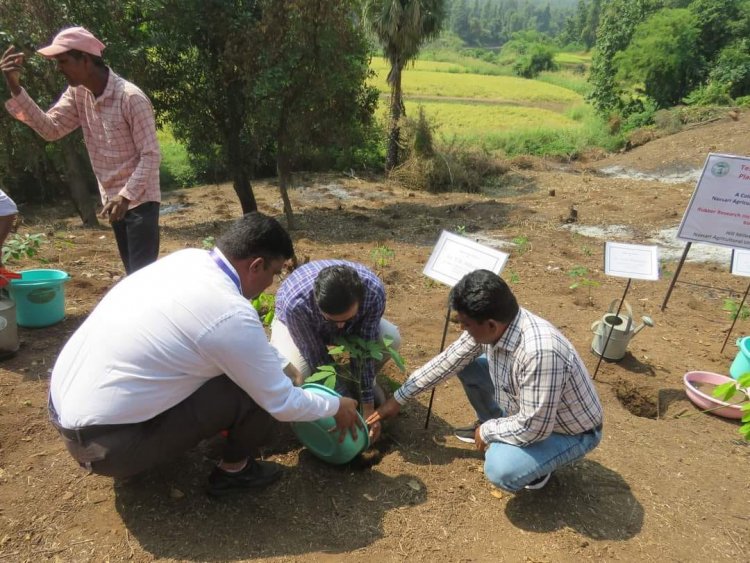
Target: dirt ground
x,y
667,483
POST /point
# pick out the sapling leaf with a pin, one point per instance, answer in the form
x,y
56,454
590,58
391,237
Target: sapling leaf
x,y
725,391
744,380
387,341
745,407
397,359
336,350
330,382
327,368
318,376
745,431
746,417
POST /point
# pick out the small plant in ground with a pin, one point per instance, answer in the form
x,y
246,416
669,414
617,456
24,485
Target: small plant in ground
x,y
728,390
586,251
22,246
382,255
522,244
581,278
733,308
208,242
349,354
265,304
461,229
513,277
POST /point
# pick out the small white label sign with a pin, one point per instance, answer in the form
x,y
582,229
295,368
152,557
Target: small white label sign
x,y
741,262
455,256
631,261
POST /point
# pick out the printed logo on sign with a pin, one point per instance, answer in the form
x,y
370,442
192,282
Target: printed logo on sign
x,y
720,169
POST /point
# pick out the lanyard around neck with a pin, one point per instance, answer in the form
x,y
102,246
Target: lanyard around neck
x,y
226,269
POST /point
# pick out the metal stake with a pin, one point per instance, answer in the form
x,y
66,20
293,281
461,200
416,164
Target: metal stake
x,y
442,345
604,348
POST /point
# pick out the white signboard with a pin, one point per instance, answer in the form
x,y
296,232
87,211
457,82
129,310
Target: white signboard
x,y
741,262
719,210
455,256
631,261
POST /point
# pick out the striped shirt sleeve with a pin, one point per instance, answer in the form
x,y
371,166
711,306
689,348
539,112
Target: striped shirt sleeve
x,y
61,119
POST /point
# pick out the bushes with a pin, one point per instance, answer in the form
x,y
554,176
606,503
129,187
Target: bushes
x,y
536,59
445,167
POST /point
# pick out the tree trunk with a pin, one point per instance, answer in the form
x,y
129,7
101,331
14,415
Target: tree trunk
x,y
282,168
79,192
397,105
238,156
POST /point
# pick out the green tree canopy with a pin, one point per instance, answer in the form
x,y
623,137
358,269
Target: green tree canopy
x,y
662,56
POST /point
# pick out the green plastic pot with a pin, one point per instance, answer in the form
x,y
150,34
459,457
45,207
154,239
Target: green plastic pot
x,y
324,443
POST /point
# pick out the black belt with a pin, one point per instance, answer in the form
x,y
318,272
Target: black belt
x,y
83,434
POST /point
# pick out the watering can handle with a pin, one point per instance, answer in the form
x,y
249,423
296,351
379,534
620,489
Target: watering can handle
x,y
595,325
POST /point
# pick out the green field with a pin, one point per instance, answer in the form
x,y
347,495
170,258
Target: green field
x,y
434,83
472,101
473,121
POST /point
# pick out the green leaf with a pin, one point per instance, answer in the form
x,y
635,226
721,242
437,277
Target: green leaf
x,y
330,382
745,431
327,369
725,391
317,376
387,341
397,359
746,417
337,351
745,407
744,380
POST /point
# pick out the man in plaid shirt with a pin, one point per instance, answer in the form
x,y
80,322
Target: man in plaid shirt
x,y
119,131
537,407
325,299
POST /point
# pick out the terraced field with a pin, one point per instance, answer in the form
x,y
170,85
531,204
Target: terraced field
x,y
485,109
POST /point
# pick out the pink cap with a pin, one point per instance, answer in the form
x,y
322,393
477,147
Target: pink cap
x,y
76,38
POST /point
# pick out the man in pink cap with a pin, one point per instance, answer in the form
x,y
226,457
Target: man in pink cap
x,y
119,130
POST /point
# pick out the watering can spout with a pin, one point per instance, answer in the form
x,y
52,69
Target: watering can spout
x,y
645,321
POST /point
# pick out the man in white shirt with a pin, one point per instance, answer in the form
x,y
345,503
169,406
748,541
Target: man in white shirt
x,y
174,354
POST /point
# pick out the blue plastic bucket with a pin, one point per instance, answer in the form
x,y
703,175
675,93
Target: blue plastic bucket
x,y
741,363
39,297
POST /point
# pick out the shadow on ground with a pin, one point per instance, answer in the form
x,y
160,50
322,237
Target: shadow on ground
x,y
587,497
315,508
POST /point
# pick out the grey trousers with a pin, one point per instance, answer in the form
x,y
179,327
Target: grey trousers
x,y
124,450
137,236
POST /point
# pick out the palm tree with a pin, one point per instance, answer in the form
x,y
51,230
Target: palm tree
x,y
402,27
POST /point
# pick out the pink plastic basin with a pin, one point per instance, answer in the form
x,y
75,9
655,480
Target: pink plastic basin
x,y
704,401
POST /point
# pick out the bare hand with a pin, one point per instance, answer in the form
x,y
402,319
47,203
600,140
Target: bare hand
x,y
115,209
389,409
347,418
478,442
294,374
11,64
368,409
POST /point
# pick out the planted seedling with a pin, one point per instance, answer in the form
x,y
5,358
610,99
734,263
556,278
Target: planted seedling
x,y
208,242
382,255
733,308
349,354
727,390
22,246
581,278
265,304
522,244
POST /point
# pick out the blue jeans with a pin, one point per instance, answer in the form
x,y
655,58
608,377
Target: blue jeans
x,y
508,466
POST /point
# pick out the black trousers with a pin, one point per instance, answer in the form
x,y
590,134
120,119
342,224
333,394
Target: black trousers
x,y
137,236
124,450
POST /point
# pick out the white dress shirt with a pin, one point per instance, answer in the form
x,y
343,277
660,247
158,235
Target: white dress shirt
x,y
159,335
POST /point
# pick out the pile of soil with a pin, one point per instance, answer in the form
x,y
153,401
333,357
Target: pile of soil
x,y
663,485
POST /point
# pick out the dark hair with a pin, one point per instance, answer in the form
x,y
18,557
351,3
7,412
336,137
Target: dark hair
x,y
337,288
482,295
78,55
256,235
